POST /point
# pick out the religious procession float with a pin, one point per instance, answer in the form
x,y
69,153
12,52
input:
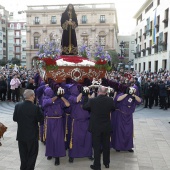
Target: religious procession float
x,y
77,67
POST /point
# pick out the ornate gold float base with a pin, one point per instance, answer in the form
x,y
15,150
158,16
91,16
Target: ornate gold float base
x,y
76,73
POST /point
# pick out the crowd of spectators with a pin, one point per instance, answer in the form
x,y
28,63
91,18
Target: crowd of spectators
x,y
153,87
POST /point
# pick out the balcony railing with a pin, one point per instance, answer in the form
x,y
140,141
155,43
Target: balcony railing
x,y
17,44
36,22
102,20
53,22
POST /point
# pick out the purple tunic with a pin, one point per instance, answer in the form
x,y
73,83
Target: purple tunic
x,y
81,140
122,124
53,111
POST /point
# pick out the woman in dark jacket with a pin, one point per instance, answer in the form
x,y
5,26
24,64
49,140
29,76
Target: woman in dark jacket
x,y
3,89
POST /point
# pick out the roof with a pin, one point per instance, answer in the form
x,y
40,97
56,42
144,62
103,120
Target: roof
x,y
142,8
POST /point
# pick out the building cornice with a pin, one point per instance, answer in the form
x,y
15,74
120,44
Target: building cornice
x,y
142,8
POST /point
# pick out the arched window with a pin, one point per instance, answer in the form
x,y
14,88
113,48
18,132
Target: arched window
x,y
102,38
11,25
84,38
18,26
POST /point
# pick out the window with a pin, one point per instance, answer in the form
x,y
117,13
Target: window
x,y
12,26
156,45
143,66
144,34
4,44
85,40
4,52
17,49
166,18
102,18
149,7
150,30
84,19
157,24
126,44
165,41
23,57
10,48
18,26
3,29
53,20
24,26
102,41
139,19
37,20
36,42
158,2
17,41
18,56
23,41
17,33
0,33
0,41
10,41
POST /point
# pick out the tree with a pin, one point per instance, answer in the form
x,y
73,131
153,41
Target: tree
x,y
3,62
16,61
114,57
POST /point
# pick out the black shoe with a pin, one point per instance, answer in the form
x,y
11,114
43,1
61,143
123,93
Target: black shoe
x,y
131,150
49,157
145,107
161,108
106,166
91,158
117,150
165,109
57,161
150,107
93,167
71,160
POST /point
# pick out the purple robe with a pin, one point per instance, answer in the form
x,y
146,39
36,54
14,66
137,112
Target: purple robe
x,y
122,123
53,111
39,95
81,140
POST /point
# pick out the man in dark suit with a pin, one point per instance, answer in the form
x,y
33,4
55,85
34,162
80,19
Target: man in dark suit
x,y
27,115
100,125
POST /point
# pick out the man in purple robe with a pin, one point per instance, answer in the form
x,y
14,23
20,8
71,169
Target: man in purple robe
x,y
80,139
54,132
122,120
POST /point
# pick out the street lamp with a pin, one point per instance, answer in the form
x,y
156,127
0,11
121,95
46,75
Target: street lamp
x,y
122,54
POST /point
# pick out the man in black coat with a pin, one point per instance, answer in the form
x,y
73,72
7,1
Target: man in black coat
x,y
100,126
27,115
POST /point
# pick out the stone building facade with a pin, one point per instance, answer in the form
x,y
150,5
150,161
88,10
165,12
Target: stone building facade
x,y
97,22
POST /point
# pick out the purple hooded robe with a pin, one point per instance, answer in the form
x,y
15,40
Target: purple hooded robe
x,y
80,140
53,111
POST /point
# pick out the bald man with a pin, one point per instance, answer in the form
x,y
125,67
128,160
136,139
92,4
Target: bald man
x,y
100,125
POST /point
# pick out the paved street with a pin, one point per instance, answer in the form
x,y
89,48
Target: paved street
x,y
151,138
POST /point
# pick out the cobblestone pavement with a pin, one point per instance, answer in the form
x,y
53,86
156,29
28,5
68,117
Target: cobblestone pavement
x,y
151,139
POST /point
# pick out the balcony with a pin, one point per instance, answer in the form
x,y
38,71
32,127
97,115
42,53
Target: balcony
x,y
165,20
16,44
155,46
102,20
53,22
83,21
17,36
148,48
17,52
36,22
157,25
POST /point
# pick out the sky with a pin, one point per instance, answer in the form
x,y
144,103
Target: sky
x,y
126,9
